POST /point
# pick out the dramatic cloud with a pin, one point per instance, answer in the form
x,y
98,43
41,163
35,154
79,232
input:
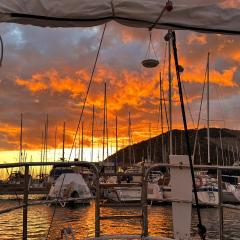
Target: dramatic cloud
x,y
46,71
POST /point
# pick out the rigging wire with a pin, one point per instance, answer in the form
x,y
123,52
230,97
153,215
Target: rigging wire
x,y
201,227
199,114
188,105
88,89
163,94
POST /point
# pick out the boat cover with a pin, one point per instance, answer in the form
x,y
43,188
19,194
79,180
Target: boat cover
x,y
219,16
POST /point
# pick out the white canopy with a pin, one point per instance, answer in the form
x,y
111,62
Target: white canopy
x,y
221,16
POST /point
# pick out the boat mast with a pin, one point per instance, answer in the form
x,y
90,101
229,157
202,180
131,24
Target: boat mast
x,y
93,118
41,167
208,130
82,144
63,143
150,142
46,138
55,144
104,120
161,116
79,145
116,158
221,143
170,97
21,140
129,139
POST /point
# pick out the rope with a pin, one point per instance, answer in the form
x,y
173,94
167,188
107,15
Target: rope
x,y
201,227
1,56
88,88
55,208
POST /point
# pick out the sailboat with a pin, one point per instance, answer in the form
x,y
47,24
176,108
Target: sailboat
x,y
132,193
207,188
70,189
68,186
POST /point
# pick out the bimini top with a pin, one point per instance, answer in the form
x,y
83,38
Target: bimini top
x,y
219,16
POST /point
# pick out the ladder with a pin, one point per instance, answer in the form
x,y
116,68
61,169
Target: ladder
x,y
211,194
141,204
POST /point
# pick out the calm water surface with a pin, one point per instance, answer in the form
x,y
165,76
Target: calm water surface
x,y
82,222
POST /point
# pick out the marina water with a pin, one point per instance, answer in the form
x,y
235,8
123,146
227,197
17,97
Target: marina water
x,y
81,219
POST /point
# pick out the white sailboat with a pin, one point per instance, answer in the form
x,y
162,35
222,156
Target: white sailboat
x,y
133,193
70,188
230,189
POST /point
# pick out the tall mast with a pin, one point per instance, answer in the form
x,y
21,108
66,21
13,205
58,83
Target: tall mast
x,y
47,138
93,118
208,131
116,159
55,143
79,144
41,167
104,120
161,116
129,139
82,143
63,143
170,97
221,143
150,143
21,139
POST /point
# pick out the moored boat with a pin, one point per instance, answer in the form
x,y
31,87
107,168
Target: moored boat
x,y
70,188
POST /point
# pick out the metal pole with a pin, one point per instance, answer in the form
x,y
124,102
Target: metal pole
x,y
97,209
170,97
25,202
93,118
129,139
104,119
201,227
116,159
63,150
161,113
21,140
208,131
220,204
55,143
144,203
82,144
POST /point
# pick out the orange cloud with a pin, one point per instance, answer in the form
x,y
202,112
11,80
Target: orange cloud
x,y
197,38
53,81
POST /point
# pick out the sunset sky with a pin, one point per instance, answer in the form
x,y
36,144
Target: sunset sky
x,y
46,71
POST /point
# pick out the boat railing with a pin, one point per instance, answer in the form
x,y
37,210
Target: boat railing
x,y
145,174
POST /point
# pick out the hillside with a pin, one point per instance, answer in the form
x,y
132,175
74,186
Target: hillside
x,y
152,148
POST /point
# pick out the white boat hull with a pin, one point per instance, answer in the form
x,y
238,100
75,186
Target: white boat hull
x,y
123,194
133,194
231,194
207,198
69,188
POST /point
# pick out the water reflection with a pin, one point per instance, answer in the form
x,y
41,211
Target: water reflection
x,y
82,222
